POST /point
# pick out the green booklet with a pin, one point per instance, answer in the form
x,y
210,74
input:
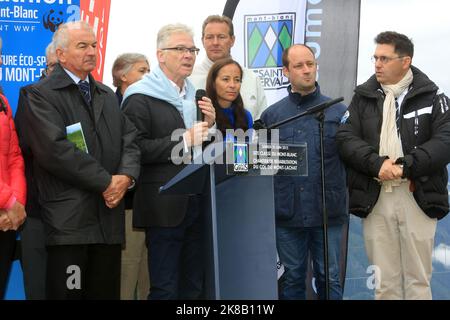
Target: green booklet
x,y
75,134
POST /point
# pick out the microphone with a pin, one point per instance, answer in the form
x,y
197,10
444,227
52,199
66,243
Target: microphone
x,y
259,124
323,105
199,94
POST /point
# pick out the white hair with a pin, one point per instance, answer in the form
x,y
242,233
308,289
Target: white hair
x,y
50,50
61,36
168,30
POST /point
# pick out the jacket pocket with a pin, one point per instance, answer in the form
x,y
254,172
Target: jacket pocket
x,y
329,139
284,198
286,135
363,193
431,195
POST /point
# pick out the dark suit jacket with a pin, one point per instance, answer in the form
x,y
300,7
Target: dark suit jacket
x,y
70,181
155,120
33,208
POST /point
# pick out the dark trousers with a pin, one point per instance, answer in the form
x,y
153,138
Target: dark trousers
x,y
7,247
175,258
83,272
33,258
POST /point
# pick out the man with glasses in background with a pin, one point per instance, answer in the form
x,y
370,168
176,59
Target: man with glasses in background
x,y
218,39
162,102
395,141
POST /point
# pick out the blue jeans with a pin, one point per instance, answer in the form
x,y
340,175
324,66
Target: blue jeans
x,y
293,245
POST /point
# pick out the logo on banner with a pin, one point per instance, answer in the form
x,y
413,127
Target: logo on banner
x,y
53,19
27,28
240,157
266,36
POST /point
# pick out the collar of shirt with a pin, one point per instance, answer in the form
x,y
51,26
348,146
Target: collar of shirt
x,y
292,91
74,77
182,93
208,63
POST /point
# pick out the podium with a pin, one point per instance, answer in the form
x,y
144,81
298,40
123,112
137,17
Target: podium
x,y
241,254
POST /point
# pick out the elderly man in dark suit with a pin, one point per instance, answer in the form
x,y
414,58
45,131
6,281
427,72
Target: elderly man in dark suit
x,y
159,104
85,159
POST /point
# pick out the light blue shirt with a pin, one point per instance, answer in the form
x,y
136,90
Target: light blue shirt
x,y
74,77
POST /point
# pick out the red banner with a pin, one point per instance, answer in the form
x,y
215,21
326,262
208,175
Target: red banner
x,y
96,13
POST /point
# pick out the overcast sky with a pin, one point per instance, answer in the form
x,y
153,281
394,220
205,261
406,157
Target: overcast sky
x,y
426,22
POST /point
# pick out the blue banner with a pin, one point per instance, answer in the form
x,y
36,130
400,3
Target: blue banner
x,y
26,28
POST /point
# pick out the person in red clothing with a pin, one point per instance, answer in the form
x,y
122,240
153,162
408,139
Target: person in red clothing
x,y
12,188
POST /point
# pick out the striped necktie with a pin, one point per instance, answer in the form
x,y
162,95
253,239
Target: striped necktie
x,y
397,116
85,91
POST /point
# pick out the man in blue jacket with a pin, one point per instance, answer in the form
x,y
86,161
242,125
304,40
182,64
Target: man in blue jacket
x,y
298,200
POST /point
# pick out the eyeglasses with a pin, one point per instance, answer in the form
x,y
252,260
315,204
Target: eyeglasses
x,y
183,50
384,59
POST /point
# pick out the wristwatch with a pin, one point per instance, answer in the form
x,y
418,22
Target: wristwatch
x,y
132,184
402,162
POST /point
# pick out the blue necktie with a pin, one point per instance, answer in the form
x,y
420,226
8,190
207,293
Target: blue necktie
x,y
85,91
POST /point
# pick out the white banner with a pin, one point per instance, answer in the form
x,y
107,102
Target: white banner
x,y
263,30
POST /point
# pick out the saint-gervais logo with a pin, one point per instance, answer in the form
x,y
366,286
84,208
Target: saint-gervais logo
x,y
266,37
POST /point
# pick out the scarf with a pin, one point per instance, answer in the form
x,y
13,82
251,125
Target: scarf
x,y
157,85
390,143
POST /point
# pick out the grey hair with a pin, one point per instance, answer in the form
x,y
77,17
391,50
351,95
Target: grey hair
x,y
123,64
168,30
50,50
1,43
61,36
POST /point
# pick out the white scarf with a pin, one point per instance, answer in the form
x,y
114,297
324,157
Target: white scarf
x,y
390,143
156,84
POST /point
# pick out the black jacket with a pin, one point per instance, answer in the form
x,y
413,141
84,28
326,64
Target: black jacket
x,y
70,181
155,120
425,136
33,208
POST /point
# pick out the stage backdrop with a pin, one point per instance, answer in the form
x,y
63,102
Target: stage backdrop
x,y
262,33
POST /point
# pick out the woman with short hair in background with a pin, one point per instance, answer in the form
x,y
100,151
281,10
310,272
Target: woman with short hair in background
x,y
127,69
